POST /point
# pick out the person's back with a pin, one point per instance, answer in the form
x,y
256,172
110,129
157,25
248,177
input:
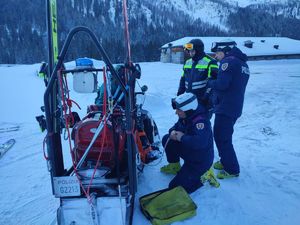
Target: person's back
x,y
230,88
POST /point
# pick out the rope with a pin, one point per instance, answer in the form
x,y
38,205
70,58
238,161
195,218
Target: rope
x,y
68,104
70,101
69,135
104,132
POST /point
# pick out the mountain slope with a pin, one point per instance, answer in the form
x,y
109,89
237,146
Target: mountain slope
x,y
152,24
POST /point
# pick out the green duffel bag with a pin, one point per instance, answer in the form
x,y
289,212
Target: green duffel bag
x,y
167,206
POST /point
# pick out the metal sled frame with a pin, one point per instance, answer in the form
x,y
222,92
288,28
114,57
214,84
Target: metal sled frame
x,y
52,112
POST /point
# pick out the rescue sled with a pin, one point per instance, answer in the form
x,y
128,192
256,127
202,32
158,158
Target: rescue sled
x,y
108,146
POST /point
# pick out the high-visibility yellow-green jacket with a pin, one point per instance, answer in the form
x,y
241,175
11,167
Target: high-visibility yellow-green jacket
x,y
196,74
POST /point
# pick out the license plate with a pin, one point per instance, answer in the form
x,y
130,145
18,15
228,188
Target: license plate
x,y
67,186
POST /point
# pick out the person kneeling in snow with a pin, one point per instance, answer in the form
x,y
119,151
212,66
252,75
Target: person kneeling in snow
x,y
190,139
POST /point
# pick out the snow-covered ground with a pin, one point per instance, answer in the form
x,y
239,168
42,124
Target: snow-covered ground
x,y
266,138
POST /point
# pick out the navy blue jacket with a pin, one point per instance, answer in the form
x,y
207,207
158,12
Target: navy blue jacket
x,y
197,141
230,85
195,75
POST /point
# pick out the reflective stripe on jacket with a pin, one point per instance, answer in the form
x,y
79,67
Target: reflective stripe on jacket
x,y
195,75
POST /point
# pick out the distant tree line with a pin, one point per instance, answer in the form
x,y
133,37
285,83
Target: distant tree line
x,y
265,21
24,39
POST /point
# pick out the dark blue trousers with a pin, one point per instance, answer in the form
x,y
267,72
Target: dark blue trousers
x,y
223,131
189,175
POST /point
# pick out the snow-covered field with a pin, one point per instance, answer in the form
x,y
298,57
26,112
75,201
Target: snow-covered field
x,y
267,141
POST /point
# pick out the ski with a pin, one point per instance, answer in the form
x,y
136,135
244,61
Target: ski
x,y
52,34
53,124
54,30
6,146
9,129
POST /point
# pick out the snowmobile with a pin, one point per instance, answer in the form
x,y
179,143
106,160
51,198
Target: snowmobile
x,y
108,147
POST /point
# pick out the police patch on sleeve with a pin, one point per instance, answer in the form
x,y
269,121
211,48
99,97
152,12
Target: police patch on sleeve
x,y
200,126
224,66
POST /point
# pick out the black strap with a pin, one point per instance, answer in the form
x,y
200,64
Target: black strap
x,y
179,105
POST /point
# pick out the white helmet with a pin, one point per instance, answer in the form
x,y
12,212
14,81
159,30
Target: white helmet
x,y
185,102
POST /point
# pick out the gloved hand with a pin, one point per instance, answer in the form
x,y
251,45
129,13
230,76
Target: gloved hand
x,y
173,135
176,135
179,135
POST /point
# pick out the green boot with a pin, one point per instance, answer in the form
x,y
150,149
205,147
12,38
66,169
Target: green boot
x,y
171,168
224,175
211,178
218,166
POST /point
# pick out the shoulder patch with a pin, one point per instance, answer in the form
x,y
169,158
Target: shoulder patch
x,y
224,66
200,126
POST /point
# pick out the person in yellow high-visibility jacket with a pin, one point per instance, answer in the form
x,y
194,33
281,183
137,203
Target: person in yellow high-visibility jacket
x,y
197,71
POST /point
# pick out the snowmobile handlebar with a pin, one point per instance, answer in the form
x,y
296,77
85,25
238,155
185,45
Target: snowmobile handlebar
x,y
144,88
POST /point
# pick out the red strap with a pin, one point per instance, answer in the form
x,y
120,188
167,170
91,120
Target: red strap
x,y
44,143
127,39
68,131
70,101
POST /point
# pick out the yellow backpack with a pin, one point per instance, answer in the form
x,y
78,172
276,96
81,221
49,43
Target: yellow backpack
x,y
167,206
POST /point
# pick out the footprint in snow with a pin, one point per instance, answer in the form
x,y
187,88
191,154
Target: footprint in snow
x,y
268,131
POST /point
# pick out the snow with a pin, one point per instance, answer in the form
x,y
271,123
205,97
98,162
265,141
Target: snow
x,y
286,45
266,139
245,3
215,12
208,11
112,12
148,14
